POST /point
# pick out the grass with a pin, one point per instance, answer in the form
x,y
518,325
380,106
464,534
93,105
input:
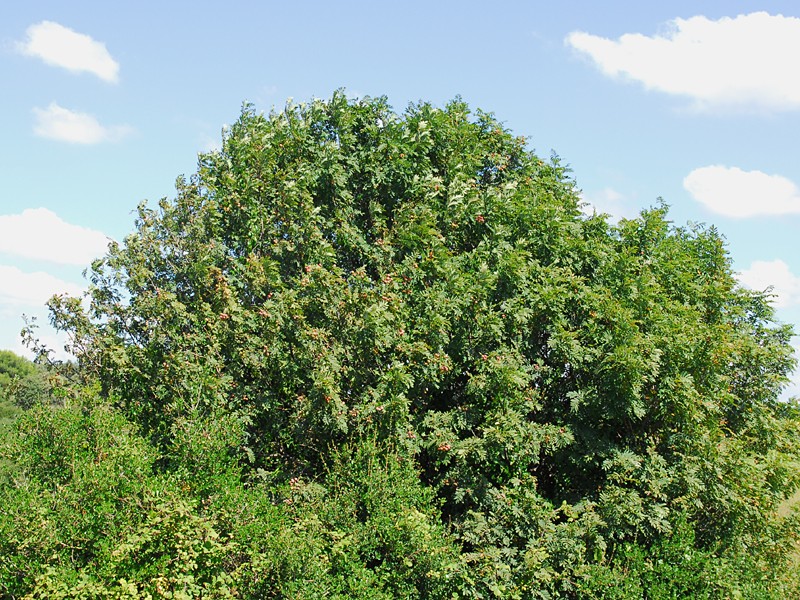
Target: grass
x,y
8,413
786,507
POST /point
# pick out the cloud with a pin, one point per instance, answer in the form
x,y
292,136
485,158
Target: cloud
x,y
27,293
746,61
40,234
608,201
732,192
777,275
62,47
53,340
58,123
210,144
20,289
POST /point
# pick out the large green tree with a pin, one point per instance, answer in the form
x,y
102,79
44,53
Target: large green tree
x,y
581,402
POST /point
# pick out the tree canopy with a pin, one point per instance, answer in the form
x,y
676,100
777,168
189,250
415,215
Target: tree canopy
x,y
23,383
369,354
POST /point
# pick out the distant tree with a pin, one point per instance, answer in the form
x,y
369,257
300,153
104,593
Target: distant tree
x,y
593,408
23,383
13,366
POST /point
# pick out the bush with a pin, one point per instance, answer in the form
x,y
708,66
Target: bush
x,y
392,315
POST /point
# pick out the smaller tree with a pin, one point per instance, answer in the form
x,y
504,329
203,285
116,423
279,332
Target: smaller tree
x,y
23,384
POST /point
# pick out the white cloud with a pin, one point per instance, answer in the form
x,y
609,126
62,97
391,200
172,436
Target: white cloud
x,y
58,123
40,234
26,293
53,340
62,47
20,289
776,274
732,192
608,201
210,144
749,60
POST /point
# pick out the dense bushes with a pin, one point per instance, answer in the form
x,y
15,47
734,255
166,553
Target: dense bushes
x,y
88,513
370,355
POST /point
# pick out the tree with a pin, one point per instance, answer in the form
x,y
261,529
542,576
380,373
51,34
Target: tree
x,y
580,398
23,383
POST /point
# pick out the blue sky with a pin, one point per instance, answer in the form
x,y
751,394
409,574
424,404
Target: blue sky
x,y
106,103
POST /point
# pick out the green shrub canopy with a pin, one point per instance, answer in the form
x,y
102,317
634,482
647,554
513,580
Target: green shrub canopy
x,y
569,392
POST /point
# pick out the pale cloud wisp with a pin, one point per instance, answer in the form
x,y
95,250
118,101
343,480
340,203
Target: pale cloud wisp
x,y
745,61
58,123
62,47
21,289
732,192
608,201
774,274
40,234
27,293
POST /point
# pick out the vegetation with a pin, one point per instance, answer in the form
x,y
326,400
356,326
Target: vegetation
x,y
22,384
370,355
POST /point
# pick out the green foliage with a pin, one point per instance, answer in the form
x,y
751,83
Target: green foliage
x,y
22,384
372,355
13,367
87,513
85,516
8,412
370,532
